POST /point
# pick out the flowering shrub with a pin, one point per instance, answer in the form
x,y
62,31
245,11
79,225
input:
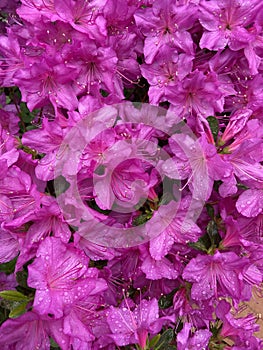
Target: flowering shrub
x,y
131,168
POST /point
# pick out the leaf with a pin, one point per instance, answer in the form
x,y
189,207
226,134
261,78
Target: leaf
x,y
200,244
26,115
214,126
3,314
165,340
13,295
18,310
8,267
212,231
166,198
140,220
29,150
242,186
7,100
31,127
21,277
210,210
104,93
61,185
53,344
154,341
167,300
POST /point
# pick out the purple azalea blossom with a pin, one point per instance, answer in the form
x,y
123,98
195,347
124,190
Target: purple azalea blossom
x,y
197,94
133,324
200,338
19,198
84,16
30,331
56,273
96,67
80,316
47,220
197,161
165,72
33,10
180,229
220,274
239,329
9,247
166,23
250,203
8,152
226,23
45,81
45,140
9,52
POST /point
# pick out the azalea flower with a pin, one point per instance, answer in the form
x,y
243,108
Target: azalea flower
x,y
232,325
226,23
165,73
56,273
197,94
30,331
220,274
51,82
200,338
166,23
132,324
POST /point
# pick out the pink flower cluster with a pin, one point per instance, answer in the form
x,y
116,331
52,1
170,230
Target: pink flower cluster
x,y
170,94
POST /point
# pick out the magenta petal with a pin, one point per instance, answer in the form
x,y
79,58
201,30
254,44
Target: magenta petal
x,y
250,203
213,40
25,332
73,326
56,270
161,245
9,247
157,269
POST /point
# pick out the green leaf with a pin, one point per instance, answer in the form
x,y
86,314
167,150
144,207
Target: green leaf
x,y
200,244
154,341
21,277
18,309
61,185
99,264
31,127
25,113
53,344
166,198
242,186
13,295
3,314
210,210
104,93
165,340
29,150
212,231
167,300
214,126
140,220
8,267
7,100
